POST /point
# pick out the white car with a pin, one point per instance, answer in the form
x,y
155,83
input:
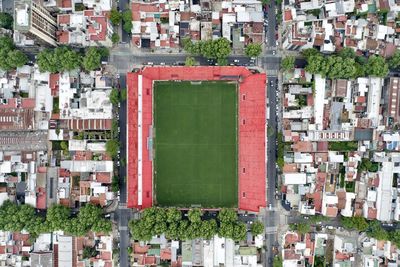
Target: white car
x,y
270,206
236,60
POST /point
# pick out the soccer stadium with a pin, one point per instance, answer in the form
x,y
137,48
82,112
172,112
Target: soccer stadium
x,y
196,138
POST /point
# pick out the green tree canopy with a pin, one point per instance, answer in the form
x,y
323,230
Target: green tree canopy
x,y
309,52
115,17
112,147
257,228
173,215
115,38
114,96
253,50
56,217
288,63
394,61
6,21
10,58
212,49
155,221
190,61
227,215
347,52
358,223
92,59
377,66
127,19
194,215
376,231
58,60
15,217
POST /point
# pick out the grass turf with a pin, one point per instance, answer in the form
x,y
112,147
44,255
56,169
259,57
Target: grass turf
x,y
195,144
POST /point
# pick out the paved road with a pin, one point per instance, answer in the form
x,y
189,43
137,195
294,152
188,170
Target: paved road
x,y
270,29
271,64
123,59
123,214
122,5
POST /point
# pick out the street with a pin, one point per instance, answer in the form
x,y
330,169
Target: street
x,y
123,214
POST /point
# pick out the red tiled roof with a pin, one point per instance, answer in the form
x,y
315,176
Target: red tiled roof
x,y
63,37
291,238
28,103
105,255
103,177
41,199
331,211
53,83
66,3
165,254
64,19
288,15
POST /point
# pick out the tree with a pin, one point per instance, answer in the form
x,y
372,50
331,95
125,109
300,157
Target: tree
x,y
58,60
257,228
315,64
265,2
309,52
222,61
359,223
277,262
102,226
16,58
92,59
253,50
56,217
114,96
239,231
112,147
194,215
115,38
47,61
208,229
127,18
127,27
89,252
394,61
115,17
190,61
395,237
115,184
227,215
376,66
124,94
302,228
6,21
347,52
69,59
222,48
9,57
376,231
288,63
173,215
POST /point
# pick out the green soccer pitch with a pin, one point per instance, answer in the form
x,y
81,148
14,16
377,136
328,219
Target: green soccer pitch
x,y
195,144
